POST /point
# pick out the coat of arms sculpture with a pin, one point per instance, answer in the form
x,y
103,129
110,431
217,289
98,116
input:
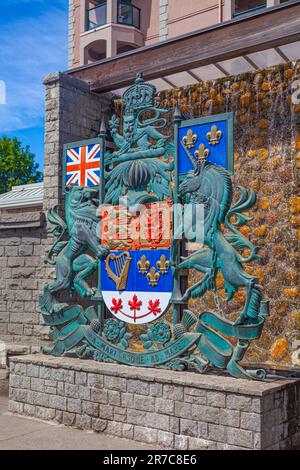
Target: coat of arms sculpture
x,y
129,214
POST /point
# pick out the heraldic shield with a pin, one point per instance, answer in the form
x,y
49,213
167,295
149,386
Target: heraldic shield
x,y
137,226
130,200
136,276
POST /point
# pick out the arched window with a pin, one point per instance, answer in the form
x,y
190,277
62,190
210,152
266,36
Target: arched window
x,y
95,51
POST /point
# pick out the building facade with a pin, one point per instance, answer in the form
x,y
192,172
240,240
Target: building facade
x,y
101,29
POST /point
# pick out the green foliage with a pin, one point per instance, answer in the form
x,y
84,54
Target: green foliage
x,y
17,165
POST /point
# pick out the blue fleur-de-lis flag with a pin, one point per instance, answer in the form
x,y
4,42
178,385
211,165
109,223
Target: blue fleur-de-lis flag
x,y
206,139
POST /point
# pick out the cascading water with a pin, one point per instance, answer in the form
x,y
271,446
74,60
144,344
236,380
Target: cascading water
x,y
264,141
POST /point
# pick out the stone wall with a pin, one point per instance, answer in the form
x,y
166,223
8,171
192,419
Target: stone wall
x,y
166,408
266,159
22,239
163,19
72,114
71,34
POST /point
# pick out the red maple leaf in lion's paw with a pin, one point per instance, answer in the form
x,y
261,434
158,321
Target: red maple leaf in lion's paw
x,y
153,307
117,305
135,303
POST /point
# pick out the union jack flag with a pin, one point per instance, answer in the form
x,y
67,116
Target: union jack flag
x,y
83,166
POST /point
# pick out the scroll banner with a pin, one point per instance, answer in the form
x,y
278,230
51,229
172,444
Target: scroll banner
x,y
73,332
147,359
219,351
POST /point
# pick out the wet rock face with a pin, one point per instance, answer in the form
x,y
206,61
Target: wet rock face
x,y
267,159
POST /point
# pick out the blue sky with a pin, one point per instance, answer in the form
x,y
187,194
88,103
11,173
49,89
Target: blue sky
x,y
33,43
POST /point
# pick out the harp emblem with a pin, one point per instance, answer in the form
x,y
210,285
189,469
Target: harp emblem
x,y
117,267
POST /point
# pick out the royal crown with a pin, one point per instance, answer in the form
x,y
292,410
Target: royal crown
x,y
139,96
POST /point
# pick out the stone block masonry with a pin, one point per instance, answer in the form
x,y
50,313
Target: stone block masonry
x,y
165,408
22,275
71,31
163,19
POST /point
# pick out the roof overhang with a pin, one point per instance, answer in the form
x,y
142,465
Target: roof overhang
x,y
30,195
252,41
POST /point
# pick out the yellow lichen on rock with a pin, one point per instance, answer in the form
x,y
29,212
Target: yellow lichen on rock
x,y
288,73
266,86
258,272
263,153
245,230
295,204
255,185
264,204
261,230
277,161
219,280
240,297
292,293
251,153
219,100
279,349
235,86
263,123
245,99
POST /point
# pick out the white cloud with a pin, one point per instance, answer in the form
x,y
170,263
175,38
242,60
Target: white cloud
x,y
30,49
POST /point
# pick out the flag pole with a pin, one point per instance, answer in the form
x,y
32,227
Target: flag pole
x,y
176,297
102,138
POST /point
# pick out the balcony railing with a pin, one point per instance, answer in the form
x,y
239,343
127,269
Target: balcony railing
x,y
243,11
129,15
97,16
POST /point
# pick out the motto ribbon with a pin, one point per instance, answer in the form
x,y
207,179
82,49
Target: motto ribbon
x,y
208,337
220,351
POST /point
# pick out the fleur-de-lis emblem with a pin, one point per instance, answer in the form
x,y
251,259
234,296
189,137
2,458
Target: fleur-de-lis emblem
x,y
214,136
153,277
189,140
143,265
202,153
163,265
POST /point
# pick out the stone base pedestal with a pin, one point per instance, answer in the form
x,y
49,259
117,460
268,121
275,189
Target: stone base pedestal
x,y
179,410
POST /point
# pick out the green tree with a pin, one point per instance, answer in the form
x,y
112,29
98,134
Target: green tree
x,y
17,165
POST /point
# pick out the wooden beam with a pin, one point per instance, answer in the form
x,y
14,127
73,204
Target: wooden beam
x,y
241,36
